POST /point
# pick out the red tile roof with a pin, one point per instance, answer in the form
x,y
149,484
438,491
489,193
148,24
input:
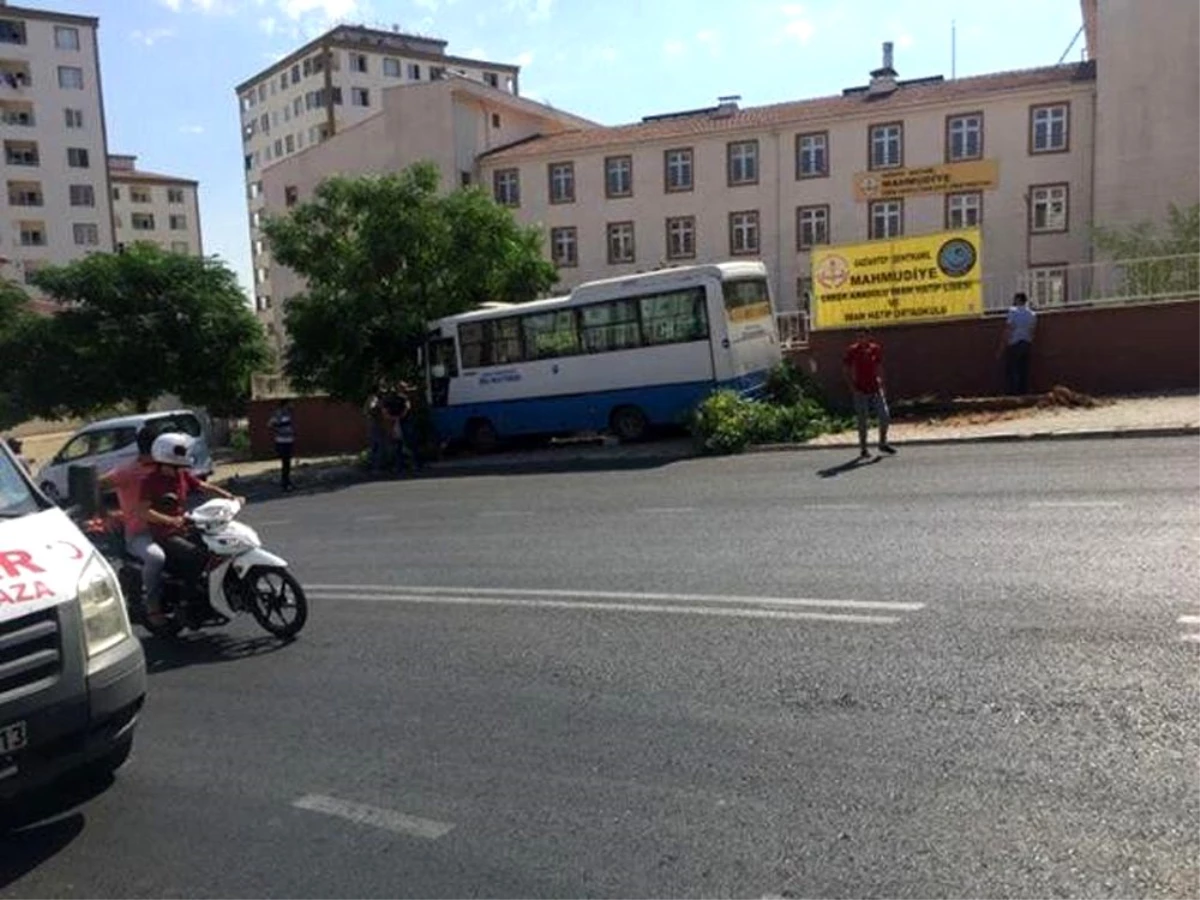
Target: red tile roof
x,y
795,112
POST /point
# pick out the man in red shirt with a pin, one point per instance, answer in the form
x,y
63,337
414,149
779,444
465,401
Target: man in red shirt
x,y
863,366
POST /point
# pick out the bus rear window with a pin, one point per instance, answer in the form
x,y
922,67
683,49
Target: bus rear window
x,y
746,294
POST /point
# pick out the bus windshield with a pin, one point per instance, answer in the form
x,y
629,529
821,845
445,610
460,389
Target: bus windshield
x,y
747,298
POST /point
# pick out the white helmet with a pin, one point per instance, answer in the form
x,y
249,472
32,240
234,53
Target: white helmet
x,y
172,449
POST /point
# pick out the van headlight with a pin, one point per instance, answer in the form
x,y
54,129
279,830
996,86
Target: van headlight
x,y
104,621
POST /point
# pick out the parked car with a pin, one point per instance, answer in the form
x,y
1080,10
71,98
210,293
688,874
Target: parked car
x,y
111,442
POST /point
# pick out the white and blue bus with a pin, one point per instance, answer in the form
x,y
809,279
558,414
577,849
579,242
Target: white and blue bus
x,y
622,354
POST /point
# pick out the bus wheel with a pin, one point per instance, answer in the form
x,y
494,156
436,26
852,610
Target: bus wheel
x,y
628,423
481,436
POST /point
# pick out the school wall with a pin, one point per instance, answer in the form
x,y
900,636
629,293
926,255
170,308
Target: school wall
x,y
1102,351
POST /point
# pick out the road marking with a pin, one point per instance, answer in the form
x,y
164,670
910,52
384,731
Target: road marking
x,y
1189,620
362,814
667,509
408,590
382,518
1193,638
714,611
1076,504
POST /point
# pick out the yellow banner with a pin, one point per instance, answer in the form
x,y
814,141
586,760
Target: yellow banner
x,y
976,175
916,279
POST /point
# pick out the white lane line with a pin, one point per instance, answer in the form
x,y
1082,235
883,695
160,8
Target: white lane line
x,y
1189,620
362,814
714,611
667,509
267,523
382,518
1075,504
1193,638
409,590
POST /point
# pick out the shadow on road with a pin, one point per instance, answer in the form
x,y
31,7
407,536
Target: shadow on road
x,y
850,466
165,654
42,824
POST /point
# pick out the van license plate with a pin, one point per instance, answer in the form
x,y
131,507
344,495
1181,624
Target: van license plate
x,y
12,737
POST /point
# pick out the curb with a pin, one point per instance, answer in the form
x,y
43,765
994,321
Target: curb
x,y
1007,437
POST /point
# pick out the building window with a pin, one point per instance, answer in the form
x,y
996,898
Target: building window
x,y
82,195
21,153
618,176
1049,128
66,38
298,106
178,222
495,120
256,219
812,226
678,164
681,237
620,243
86,235
296,74
116,193
360,97
25,193
887,146
964,210
70,78
964,137
564,246
291,195
261,274
743,233
812,155
77,157
278,147
506,186
264,123
358,62
175,195
414,71
391,67
142,221
12,32
562,182
33,234
885,219
262,93
1047,286
289,143
492,80
140,195
437,73
1048,208
742,157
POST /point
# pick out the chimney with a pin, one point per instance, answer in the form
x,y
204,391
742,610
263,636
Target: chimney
x,y
883,79
726,106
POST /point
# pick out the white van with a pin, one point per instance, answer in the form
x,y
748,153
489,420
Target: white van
x,y
72,674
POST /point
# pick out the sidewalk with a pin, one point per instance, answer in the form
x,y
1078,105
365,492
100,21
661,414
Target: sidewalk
x,y
1121,417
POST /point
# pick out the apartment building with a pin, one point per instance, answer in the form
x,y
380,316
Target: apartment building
x,y
154,208
328,85
55,203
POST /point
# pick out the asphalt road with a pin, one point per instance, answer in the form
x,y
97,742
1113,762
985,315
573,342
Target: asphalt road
x,y
958,672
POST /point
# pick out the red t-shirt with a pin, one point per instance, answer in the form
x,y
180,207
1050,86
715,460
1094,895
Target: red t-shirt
x,y
127,481
157,483
864,359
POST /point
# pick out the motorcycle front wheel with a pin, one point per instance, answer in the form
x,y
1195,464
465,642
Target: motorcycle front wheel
x,y
276,601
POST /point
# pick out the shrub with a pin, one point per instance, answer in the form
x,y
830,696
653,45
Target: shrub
x,y
729,423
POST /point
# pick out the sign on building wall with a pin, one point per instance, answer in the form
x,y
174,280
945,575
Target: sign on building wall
x,y
915,279
977,175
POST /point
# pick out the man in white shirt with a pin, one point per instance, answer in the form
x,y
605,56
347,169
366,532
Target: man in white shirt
x,y
1019,328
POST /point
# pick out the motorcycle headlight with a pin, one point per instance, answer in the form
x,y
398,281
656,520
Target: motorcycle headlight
x,y
104,621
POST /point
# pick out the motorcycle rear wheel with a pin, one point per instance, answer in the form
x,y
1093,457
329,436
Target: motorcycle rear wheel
x,y
271,595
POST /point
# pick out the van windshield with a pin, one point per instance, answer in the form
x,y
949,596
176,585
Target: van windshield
x,y
16,497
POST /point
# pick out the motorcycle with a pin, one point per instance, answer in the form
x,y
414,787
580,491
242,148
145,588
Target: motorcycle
x,y
239,576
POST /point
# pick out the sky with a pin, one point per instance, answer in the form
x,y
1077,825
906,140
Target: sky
x,y
169,67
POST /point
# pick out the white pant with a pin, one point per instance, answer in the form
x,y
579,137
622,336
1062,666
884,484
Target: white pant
x,y
154,559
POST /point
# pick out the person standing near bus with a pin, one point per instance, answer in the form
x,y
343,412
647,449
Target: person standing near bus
x,y
863,367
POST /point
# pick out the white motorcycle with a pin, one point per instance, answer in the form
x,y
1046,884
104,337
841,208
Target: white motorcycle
x,y
239,576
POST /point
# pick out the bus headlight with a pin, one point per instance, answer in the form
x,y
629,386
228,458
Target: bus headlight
x,y
104,621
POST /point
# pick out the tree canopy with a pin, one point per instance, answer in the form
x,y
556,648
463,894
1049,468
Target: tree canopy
x,y
381,257
1156,261
134,326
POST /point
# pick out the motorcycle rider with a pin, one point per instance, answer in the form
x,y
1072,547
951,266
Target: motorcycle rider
x,y
160,526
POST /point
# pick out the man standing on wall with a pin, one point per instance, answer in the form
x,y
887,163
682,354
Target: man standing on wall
x,y
1017,345
863,367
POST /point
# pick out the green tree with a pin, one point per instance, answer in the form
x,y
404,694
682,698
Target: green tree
x,y
1153,261
137,325
382,256
15,318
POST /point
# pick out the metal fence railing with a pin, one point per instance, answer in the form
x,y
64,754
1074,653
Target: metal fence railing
x,y
793,329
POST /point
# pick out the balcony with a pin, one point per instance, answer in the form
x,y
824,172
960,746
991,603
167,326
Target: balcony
x,y
14,75
21,153
25,193
17,113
